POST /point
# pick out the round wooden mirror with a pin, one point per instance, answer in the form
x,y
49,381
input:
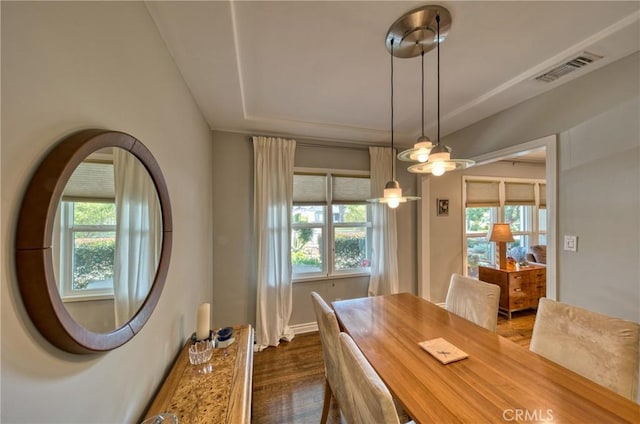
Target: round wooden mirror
x,y
35,266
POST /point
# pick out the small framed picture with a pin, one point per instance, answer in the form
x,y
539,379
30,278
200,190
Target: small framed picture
x,y
443,207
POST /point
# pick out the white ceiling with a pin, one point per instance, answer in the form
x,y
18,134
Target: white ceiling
x,y
320,70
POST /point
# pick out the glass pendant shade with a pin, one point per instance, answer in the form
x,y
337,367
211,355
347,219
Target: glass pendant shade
x,y
440,162
392,196
420,151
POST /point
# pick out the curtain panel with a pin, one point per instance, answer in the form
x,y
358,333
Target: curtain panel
x,y
273,200
384,258
138,235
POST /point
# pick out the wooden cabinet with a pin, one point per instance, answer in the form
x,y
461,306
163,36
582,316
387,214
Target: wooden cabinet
x,y
221,395
519,289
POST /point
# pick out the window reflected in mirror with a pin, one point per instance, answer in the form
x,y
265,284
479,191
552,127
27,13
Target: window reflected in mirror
x,y
107,240
87,244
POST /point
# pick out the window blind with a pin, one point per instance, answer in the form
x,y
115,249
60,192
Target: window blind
x,y
309,189
519,193
351,189
482,194
90,180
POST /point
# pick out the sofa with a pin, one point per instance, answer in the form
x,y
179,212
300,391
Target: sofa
x,y
537,255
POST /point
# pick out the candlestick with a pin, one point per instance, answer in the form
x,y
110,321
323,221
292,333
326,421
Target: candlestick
x,y
202,330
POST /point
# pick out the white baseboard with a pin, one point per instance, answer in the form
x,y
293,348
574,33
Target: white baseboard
x,y
308,327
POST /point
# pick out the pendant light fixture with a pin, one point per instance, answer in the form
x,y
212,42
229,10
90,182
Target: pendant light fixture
x,y
420,150
439,160
392,191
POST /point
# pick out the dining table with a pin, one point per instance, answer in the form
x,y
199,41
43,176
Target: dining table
x,y
498,381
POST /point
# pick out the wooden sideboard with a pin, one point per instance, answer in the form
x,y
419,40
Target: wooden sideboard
x,y
222,394
519,289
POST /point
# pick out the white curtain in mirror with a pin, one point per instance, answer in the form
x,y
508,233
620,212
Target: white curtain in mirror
x,y
138,235
384,258
273,199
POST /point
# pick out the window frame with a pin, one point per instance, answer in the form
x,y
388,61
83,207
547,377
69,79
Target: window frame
x,y
66,247
328,227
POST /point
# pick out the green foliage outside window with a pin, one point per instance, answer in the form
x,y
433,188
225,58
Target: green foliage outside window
x,y
355,213
478,220
93,261
94,213
350,250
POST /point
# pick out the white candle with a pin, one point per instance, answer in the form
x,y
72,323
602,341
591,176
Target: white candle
x,y
202,331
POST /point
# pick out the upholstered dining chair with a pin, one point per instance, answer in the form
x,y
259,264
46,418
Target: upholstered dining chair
x,y
474,300
601,348
335,382
372,401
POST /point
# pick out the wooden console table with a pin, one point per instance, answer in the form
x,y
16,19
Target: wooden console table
x,y
222,395
519,289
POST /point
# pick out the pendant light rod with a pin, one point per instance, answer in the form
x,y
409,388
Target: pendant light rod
x,y
438,64
422,57
393,156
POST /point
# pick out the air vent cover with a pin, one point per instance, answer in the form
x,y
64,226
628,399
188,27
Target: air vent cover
x,y
580,61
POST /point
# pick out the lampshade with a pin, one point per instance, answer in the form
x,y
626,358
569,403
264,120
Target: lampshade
x,y
439,162
419,152
501,233
392,195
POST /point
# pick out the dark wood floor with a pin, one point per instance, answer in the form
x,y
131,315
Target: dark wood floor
x,y
288,381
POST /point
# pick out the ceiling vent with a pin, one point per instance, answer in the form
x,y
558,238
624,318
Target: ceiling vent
x,y
580,61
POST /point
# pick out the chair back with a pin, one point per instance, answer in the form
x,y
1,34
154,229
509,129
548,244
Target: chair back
x,y
601,348
329,331
474,300
372,401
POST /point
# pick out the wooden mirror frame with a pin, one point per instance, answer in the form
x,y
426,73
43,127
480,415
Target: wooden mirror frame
x,y
34,234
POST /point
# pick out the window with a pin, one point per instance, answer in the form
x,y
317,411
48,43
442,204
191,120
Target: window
x,y
87,236
331,224
519,202
88,244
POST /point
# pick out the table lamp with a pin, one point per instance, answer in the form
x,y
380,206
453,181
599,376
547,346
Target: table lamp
x,y
501,234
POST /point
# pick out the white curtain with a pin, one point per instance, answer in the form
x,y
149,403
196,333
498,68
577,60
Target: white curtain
x,y
384,259
138,235
272,200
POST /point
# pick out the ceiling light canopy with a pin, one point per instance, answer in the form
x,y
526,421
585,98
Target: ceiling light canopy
x,y
416,33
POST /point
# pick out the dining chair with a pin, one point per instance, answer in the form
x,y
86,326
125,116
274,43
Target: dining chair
x,y
334,380
474,300
601,348
372,402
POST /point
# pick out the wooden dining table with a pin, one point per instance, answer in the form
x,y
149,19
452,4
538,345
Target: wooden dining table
x,y
499,381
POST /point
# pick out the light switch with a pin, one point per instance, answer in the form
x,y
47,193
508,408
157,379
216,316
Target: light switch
x,y
571,243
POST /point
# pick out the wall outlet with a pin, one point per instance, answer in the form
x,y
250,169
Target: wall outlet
x,y
571,243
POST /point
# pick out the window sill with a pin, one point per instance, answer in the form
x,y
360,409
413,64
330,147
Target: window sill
x,y
87,298
330,277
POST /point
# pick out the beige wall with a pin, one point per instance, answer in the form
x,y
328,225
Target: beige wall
x,y
73,65
599,198
234,288
596,118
